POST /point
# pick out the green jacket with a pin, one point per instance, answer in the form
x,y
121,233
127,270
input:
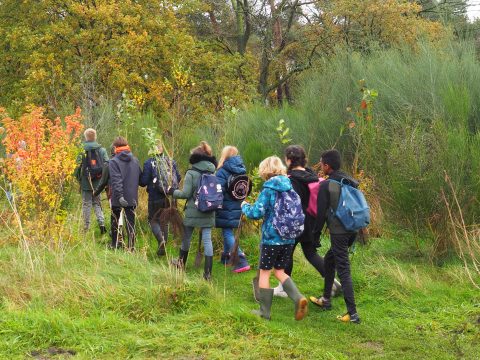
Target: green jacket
x,y
193,217
83,178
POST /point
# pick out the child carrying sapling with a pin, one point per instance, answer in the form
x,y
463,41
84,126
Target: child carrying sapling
x,y
280,208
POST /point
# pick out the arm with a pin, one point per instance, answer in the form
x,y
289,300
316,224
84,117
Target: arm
x,y
222,177
257,210
104,155
323,204
188,188
103,181
78,170
175,171
115,180
146,175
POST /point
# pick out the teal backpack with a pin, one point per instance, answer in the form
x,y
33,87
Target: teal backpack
x,y
352,210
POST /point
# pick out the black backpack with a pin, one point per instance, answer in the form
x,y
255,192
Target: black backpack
x,y
93,164
239,187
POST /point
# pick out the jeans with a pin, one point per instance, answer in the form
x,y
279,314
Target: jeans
x,y
229,241
337,259
206,238
87,201
155,209
129,223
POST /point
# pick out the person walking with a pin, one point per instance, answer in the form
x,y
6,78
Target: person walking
x,y
228,217
125,175
89,172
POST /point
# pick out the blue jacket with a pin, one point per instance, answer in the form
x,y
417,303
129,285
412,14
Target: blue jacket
x,y
149,173
229,215
263,208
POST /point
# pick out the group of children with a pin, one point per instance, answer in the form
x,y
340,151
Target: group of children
x,y
123,175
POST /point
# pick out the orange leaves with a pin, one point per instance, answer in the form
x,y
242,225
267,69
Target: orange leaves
x,y
40,159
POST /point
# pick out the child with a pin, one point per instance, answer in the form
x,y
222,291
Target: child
x,y
202,161
336,257
275,251
228,217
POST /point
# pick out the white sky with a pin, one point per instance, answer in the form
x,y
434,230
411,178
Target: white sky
x,y
473,9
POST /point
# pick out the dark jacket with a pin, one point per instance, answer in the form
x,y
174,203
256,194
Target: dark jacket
x,y
328,195
149,173
300,180
124,178
229,215
104,182
79,174
193,217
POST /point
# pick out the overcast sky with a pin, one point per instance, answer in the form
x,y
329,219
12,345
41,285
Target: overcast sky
x,y
473,9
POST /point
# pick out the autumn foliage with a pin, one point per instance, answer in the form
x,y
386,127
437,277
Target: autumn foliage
x,y
40,161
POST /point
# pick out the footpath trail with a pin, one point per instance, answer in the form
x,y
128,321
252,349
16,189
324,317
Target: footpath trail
x,y
89,302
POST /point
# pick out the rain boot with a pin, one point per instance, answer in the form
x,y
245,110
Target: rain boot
x,y
182,260
301,303
207,269
265,298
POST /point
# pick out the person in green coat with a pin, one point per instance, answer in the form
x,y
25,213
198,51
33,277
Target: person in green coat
x,y
202,161
88,173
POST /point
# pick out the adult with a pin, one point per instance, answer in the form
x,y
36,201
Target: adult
x,y
228,217
89,172
159,173
124,180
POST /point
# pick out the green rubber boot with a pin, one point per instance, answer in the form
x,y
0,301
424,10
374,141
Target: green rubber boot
x,y
265,299
301,303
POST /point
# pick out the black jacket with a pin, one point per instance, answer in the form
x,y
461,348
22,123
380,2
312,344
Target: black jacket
x,y
124,178
300,180
328,195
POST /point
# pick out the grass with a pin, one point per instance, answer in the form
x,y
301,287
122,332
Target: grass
x,y
103,304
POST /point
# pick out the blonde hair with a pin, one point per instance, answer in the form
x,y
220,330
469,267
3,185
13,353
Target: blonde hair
x,y
90,134
270,167
202,149
227,152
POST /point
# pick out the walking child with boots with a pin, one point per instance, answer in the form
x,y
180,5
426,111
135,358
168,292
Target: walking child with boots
x,y
159,174
280,208
89,172
203,162
124,180
337,257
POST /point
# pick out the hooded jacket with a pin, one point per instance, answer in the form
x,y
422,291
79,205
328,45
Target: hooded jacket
x,y
229,215
300,180
264,208
150,172
79,174
194,217
328,195
125,175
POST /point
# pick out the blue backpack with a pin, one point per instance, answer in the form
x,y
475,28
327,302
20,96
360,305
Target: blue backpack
x,y
209,196
352,210
288,216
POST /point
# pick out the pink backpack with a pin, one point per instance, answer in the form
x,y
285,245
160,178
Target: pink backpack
x,y
312,200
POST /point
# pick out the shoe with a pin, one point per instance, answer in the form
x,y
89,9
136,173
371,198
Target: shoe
x,y
265,299
355,319
325,304
278,291
256,289
336,288
103,229
161,249
242,265
181,261
301,303
207,269
225,258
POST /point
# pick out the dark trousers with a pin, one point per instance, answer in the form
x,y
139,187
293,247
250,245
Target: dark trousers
x,y
337,259
155,210
129,223
310,251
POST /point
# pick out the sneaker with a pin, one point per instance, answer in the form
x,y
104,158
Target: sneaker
x,y
278,291
355,319
336,288
323,303
242,265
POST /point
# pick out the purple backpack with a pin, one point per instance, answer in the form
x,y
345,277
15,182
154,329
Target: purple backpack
x,y
209,196
288,218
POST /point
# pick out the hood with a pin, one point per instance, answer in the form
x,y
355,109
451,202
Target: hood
x,y
126,156
339,175
204,166
304,177
91,145
196,158
279,183
234,165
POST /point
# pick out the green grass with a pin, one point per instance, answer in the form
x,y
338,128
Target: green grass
x,y
112,305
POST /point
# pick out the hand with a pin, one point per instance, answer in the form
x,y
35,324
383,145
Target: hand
x,y
123,202
170,191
